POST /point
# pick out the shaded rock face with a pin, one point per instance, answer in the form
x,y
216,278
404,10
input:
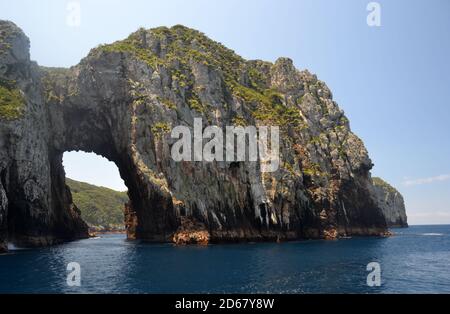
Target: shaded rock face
x,y
121,102
35,204
391,203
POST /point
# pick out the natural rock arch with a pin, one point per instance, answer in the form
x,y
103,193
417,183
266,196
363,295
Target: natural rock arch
x,y
89,124
121,101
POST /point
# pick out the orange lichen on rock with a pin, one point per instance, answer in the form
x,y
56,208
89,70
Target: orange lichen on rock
x,y
191,232
388,234
330,234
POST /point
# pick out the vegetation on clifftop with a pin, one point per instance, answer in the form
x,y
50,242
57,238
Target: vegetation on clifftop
x,y
178,49
7,31
381,183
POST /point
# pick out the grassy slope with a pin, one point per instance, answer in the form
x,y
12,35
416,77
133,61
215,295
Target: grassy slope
x,y
99,206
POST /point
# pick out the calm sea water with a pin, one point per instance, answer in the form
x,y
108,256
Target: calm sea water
x,y
416,260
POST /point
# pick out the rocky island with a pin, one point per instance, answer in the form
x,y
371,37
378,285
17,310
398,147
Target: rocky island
x,y
122,100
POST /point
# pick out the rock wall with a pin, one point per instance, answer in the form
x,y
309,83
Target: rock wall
x,y
121,102
391,203
35,205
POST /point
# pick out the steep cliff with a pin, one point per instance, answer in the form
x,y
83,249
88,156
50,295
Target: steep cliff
x,y
35,204
121,102
391,203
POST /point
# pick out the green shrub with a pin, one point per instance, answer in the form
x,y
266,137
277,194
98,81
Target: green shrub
x,y
168,103
160,128
239,121
11,101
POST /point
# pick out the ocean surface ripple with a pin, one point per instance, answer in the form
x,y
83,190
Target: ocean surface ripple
x,y
415,260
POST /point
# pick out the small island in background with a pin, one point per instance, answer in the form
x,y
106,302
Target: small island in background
x,y
101,208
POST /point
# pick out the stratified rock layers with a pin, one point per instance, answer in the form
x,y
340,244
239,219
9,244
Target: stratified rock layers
x,y
121,102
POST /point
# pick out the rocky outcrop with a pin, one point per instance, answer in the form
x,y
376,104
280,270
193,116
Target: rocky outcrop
x,y
35,204
391,203
191,232
121,102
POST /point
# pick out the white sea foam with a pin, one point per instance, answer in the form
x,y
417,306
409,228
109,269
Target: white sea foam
x,y
12,247
432,234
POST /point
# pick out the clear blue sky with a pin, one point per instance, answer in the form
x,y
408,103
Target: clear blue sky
x,y
393,81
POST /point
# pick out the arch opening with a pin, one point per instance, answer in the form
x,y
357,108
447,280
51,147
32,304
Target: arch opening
x,y
97,189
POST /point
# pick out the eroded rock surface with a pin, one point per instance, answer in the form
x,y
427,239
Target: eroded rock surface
x,y
35,204
391,203
121,102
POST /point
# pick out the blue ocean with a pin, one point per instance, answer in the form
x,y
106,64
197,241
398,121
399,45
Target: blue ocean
x,y
414,260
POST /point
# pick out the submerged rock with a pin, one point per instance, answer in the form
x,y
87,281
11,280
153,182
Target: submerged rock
x,y
121,102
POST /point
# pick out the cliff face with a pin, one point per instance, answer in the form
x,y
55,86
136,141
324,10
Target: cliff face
x,y
121,102
35,205
391,203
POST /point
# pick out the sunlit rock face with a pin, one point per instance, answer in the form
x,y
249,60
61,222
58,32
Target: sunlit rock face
x,y
391,203
121,102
